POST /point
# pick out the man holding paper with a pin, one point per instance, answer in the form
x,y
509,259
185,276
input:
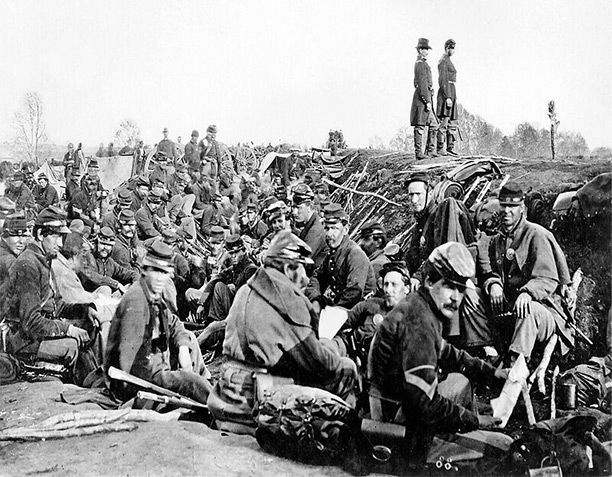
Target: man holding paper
x,y
408,351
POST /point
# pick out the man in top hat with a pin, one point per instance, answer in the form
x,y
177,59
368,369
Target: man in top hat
x,y
166,148
408,350
307,223
101,270
192,151
446,107
148,341
142,186
20,194
271,329
372,240
522,294
13,241
127,251
40,326
73,185
345,277
7,207
124,202
147,223
44,194
367,315
421,113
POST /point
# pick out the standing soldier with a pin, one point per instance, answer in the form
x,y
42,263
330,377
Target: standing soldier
x,y
192,151
446,108
166,147
421,113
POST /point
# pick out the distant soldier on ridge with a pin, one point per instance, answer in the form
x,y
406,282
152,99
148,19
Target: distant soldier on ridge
x,y
446,107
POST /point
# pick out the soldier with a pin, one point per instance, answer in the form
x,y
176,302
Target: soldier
x,y
345,277
421,112
14,239
308,226
147,223
147,340
372,239
271,329
20,194
124,202
92,175
212,153
41,327
252,226
73,185
522,290
140,157
127,250
45,194
192,151
212,215
68,162
85,204
7,207
103,270
446,107
142,186
408,350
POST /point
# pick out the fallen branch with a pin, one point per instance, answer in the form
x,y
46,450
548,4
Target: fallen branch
x,y
373,194
26,434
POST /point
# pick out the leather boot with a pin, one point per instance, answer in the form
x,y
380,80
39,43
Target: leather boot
x,y
418,144
450,144
430,150
441,149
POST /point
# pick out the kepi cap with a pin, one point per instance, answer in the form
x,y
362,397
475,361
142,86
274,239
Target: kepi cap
x,y
159,256
334,213
16,225
288,246
511,194
454,262
106,236
53,218
302,193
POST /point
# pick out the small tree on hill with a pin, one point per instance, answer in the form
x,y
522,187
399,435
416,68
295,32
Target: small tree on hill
x,y
554,124
128,133
403,140
30,129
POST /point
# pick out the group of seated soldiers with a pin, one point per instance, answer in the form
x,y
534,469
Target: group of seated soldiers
x,y
92,290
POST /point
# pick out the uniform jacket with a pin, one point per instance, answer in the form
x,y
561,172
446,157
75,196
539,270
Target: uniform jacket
x,y
407,352
271,324
361,320
167,147
146,225
7,258
257,231
124,252
45,197
344,278
159,173
31,306
22,197
423,93
98,272
447,76
378,259
72,187
192,154
314,235
211,215
137,202
111,219
83,205
529,259
140,330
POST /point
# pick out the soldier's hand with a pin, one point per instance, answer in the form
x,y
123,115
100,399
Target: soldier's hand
x,y
193,294
496,295
449,103
415,283
78,334
428,107
488,422
522,306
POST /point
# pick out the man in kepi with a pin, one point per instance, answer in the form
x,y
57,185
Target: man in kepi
x,y
150,342
41,326
307,223
446,107
421,113
409,349
271,329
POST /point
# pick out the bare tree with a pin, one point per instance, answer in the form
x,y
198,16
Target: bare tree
x,y
554,124
30,128
128,133
403,140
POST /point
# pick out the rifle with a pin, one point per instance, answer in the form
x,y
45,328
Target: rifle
x,y
147,396
120,375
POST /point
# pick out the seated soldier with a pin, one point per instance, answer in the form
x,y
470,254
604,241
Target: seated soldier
x,y
367,315
523,275
372,239
42,327
7,207
147,218
44,194
128,250
73,185
271,328
15,236
251,225
85,203
147,340
100,269
142,186
408,351
212,215
124,202
307,223
345,277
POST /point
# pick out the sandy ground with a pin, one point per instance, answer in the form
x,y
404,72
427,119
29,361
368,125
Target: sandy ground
x,y
174,448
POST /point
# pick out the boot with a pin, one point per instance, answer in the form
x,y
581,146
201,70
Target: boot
x,y
441,149
418,144
430,150
450,141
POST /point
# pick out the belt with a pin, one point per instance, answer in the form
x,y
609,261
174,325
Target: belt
x,y
451,82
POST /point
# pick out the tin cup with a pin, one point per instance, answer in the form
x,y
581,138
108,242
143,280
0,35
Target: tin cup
x,y
567,396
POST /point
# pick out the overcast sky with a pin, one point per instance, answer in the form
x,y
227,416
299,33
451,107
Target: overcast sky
x,y
289,71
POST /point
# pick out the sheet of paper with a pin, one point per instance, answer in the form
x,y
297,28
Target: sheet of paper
x,y
504,404
331,320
